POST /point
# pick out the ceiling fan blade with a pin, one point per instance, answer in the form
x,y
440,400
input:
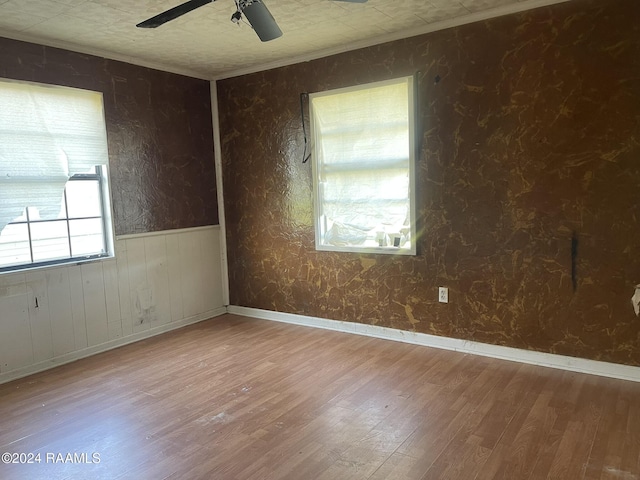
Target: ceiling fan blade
x,y
173,13
262,21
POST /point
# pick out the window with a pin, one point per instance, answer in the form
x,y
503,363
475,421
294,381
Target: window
x,y
54,203
363,168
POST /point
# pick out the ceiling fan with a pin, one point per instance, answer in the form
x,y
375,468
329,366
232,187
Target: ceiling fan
x,y
255,11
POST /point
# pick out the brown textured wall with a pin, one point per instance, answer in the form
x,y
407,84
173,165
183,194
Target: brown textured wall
x,y
531,136
159,132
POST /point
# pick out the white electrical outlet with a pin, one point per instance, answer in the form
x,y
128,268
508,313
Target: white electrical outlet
x,y
443,294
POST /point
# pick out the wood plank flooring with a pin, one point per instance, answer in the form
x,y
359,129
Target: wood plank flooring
x,y
241,399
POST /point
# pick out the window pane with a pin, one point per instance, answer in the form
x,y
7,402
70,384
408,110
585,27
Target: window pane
x,y
34,213
21,218
86,237
83,197
52,212
14,245
49,240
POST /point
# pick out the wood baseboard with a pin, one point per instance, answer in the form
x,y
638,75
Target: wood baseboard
x,y
573,364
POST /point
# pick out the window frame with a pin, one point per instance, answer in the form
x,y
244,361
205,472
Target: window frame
x,y
101,175
320,220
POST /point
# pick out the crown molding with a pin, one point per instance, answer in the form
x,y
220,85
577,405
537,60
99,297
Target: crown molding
x,y
72,47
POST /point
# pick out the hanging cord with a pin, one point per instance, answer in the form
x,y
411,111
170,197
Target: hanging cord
x,y
417,114
305,156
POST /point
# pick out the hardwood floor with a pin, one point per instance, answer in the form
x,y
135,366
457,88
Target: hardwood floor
x,y
242,399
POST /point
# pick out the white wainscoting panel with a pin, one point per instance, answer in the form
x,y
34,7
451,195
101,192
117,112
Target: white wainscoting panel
x,y
157,282
16,346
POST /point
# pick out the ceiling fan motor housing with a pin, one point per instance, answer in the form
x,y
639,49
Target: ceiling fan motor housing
x,y
260,18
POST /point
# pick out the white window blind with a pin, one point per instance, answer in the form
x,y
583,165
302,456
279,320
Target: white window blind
x,y
47,134
363,140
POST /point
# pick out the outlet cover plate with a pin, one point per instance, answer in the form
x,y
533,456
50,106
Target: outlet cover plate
x,y
443,294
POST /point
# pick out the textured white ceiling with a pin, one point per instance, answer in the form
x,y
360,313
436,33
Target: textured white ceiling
x,y
206,44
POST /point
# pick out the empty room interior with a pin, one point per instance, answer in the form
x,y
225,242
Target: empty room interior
x,y
331,239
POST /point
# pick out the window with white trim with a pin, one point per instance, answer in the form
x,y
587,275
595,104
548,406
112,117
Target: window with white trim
x,y
54,195
363,168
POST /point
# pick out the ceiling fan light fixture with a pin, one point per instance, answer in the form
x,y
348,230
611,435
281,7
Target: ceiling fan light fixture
x,y
260,18
236,17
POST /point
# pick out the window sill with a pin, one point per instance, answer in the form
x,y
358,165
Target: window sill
x,y
65,263
389,250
